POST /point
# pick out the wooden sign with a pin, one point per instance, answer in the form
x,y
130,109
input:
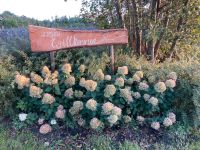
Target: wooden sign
x,y
50,39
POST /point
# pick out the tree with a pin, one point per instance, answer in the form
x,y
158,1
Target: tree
x,y
155,26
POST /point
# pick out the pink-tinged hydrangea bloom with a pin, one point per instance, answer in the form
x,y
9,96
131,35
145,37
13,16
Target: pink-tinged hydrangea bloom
x,y
36,78
70,81
167,122
69,93
119,82
170,83
45,128
116,111
48,99
122,70
172,116
155,125
143,86
136,95
95,123
107,108
91,104
66,68
60,113
35,91
22,81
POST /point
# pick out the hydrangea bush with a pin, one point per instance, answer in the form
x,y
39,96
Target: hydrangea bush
x,y
63,96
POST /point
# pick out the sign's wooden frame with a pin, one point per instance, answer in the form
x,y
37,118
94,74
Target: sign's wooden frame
x,y
44,39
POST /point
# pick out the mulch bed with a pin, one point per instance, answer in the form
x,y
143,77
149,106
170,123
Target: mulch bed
x,y
79,137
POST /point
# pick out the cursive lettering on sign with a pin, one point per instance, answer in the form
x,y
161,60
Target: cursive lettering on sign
x,y
71,41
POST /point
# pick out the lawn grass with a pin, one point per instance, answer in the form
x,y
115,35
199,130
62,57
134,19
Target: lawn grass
x,y
23,140
11,139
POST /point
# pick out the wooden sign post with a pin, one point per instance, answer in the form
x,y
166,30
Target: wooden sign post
x,y
44,39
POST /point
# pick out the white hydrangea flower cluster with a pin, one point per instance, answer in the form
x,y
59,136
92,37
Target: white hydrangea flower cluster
x,y
90,85
160,87
91,104
155,125
116,111
48,99
140,119
119,82
154,101
107,108
170,83
109,90
70,81
136,95
69,93
76,108
78,94
95,123
22,116
99,75
143,86
146,97
127,119
126,94
81,122
81,68
112,119
130,81
138,76
169,120
107,77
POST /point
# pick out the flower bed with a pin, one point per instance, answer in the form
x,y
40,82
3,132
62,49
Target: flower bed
x,y
60,97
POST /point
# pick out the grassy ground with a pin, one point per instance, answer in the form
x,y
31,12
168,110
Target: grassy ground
x,y
126,138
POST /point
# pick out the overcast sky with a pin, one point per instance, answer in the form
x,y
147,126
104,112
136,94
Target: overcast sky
x,y
41,9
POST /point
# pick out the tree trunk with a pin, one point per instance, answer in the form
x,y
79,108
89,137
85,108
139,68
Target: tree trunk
x,y
137,29
158,42
153,15
119,13
178,28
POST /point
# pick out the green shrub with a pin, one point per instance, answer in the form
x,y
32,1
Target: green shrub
x,y
7,96
68,96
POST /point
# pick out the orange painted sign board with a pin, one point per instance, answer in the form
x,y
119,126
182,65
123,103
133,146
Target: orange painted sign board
x,y
50,39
